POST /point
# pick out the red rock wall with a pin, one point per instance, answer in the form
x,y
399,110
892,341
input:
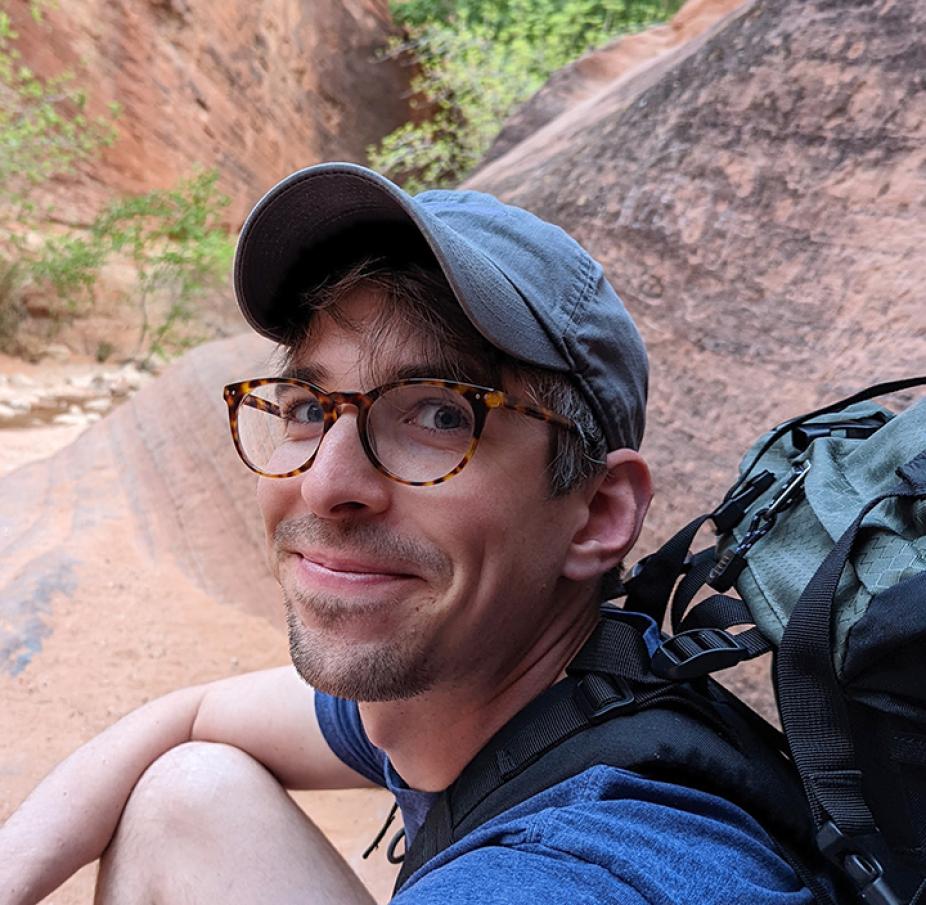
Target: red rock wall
x,y
255,89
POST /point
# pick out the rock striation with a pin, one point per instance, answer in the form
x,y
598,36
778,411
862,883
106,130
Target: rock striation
x,y
254,90
131,563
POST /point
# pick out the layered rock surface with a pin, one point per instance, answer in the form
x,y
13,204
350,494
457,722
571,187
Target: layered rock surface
x,y
254,90
132,562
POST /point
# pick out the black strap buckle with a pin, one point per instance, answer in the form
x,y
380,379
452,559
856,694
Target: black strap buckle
x,y
851,428
852,856
697,652
731,511
600,696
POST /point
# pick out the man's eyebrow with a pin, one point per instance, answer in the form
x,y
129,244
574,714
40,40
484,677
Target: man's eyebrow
x,y
307,373
317,375
438,372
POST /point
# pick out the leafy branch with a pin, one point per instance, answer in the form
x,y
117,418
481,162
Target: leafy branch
x,y
174,238
477,61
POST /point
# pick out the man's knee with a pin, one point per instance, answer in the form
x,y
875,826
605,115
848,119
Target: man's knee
x,y
204,804
195,783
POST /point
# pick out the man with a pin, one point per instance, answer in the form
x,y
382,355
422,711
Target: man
x,y
449,484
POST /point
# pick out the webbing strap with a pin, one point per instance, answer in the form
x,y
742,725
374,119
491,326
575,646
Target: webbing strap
x,y
872,392
650,588
813,710
920,897
718,611
615,648
610,673
698,571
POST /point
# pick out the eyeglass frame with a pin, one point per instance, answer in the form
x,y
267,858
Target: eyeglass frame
x,y
481,399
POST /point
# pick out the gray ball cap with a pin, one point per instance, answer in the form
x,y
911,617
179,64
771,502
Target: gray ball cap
x,y
525,284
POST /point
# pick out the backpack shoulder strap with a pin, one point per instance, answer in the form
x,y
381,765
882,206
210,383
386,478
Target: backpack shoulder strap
x,y
612,710
815,716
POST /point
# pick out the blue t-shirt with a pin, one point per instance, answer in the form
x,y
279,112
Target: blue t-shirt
x,y
603,836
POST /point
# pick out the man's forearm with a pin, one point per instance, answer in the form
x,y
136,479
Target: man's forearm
x,y
69,819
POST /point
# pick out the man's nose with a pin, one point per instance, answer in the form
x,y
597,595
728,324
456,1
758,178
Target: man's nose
x,y
341,480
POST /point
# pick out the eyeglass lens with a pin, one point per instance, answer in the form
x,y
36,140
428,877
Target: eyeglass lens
x,y
416,432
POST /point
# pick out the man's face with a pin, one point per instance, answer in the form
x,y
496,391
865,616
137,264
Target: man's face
x,y
391,590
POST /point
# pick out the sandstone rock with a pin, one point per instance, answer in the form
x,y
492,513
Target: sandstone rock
x,y
578,83
76,418
22,402
255,90
98,405
56,352
82,381
132,562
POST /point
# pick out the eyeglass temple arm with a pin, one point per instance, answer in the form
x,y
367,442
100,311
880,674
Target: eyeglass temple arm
x,y
543,414
533,411
263,405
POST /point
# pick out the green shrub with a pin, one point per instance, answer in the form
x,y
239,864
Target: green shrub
x,y
175,241
477,61
44,129
44,132
174,238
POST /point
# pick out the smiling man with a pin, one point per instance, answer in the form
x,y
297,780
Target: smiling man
x,y
449,482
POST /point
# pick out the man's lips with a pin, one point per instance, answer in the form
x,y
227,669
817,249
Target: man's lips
x,y
337,570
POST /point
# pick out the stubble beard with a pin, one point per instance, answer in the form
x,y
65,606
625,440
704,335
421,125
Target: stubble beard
x,y
390,670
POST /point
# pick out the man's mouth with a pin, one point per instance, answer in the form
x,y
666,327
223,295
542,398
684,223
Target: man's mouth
x,y
338,573
355,560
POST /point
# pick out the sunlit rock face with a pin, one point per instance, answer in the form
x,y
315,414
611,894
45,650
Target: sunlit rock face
x,y
757,197
257,90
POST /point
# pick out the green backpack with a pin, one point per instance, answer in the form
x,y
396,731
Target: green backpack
x,y
823,537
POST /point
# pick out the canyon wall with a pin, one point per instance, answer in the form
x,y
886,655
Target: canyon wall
x,y
254,89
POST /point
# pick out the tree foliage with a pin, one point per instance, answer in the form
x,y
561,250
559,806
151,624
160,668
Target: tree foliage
x,y
174,238
477,61
44,129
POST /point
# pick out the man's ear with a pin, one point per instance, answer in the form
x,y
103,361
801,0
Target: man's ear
x,y
616,504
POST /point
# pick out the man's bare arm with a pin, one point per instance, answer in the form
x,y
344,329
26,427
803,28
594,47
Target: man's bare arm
x,y
69,819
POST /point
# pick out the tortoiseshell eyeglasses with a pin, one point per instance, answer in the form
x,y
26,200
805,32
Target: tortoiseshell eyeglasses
x,y
420,431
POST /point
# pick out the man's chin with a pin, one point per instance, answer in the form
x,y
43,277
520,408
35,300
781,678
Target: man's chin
x,y
347,668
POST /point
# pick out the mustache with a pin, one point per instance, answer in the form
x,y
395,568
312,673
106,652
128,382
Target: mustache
x,y
362,538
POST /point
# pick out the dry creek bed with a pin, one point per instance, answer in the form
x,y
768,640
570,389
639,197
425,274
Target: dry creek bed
x,y
46,406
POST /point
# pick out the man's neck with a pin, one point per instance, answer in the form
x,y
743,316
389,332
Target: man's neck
x,y
431,737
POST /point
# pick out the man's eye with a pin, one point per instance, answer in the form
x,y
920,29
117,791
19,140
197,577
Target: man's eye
x,y
439,416
306,412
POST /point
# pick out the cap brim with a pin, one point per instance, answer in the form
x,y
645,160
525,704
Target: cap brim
x,y
292,232
295,218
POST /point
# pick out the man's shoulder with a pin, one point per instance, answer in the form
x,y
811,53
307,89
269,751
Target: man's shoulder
x,y
608,834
